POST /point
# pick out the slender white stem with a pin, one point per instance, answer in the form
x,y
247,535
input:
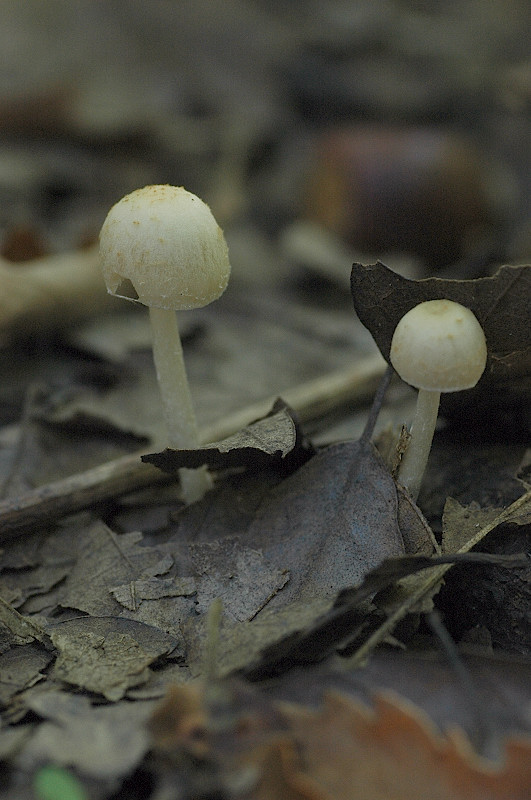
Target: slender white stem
x,y
422,429
177,404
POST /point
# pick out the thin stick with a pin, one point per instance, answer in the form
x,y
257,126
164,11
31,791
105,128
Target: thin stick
x,y
311,400
377,405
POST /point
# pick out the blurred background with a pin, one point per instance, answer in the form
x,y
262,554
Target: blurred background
x,y
319,132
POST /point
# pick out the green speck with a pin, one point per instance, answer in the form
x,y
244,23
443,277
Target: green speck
x,y
56,783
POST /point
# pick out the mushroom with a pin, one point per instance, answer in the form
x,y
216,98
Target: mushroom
x,y
162,247
438,346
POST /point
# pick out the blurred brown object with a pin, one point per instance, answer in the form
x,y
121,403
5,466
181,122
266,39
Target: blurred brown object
x,y
180,721
23,243
45,110
414,190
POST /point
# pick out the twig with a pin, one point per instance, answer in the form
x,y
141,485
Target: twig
x,y
311,400
377,405
51,292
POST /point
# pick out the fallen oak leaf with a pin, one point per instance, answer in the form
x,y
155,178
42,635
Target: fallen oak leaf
x,y
348,751
338,738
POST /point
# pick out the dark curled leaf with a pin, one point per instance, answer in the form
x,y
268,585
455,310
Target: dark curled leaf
x,y
348,617
502,304
276,438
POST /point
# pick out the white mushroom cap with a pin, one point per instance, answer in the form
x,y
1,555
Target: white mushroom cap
x,y
161,246
439,346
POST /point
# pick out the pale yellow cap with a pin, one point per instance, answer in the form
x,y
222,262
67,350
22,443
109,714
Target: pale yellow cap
x,y
440,346
162,247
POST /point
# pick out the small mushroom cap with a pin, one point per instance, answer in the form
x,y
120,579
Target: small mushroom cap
x,y
162,247
439,346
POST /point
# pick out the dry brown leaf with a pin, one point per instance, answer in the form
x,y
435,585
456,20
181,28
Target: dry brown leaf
x,y
347,751
342,749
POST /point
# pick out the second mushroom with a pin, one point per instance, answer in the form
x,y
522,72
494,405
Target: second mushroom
x,y
438,346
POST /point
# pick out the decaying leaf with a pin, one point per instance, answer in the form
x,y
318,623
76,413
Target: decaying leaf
x,y
290,544
131,595
105,561
497,599
417,535
330,522
424,587
321,734
460,523
21,667
501,304
239,575
179,721
105,665
24,584
348,617
259,642
107,655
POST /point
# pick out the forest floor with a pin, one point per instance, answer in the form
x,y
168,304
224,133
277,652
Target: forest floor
x,y
307,629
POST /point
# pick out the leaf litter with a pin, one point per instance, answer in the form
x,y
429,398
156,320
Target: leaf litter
x,y
107,740
282,539
400,728
284,578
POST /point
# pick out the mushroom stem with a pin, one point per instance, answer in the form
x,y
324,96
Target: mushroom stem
x,y
177,405
422,429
